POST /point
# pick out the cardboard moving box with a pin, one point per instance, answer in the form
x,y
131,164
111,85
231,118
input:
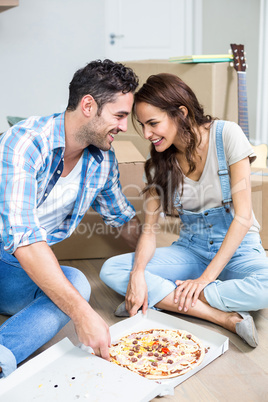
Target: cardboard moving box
x,y
93,238
259,189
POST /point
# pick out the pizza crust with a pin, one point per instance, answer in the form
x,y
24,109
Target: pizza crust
x,y
153,352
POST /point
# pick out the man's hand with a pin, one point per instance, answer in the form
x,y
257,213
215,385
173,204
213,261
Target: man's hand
x,y
92,331
43,268
137,293
187,292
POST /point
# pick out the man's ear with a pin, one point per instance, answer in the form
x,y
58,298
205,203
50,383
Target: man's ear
x,y
88,105
184,110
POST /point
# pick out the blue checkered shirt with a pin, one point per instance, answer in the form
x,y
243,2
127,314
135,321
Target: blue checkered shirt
x,y
31,160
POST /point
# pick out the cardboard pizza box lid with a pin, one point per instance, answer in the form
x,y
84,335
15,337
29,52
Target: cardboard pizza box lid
x,y
65,372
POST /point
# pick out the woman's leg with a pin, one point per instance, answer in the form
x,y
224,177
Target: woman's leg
x,y
177,262
35,318
240,323
242,287
167,265
204,311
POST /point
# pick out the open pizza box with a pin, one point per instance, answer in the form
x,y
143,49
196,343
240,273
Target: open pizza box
x,y
65,372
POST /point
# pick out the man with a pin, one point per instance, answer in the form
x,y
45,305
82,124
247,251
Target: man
x,y
52,169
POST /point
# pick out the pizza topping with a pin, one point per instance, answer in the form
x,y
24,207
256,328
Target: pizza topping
x,y
158,353
165,350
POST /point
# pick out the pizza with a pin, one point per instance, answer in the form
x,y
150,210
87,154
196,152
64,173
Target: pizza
x,y
158,353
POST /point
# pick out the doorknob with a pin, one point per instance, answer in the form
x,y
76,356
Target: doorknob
x,y
113,37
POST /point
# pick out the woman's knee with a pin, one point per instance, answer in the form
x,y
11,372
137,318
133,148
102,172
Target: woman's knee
x,y
78,280
107,269
111,269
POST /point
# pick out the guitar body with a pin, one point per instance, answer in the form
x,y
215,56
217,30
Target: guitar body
x,y
240,66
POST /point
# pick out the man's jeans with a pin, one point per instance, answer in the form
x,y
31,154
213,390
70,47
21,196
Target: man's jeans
x,y
35,319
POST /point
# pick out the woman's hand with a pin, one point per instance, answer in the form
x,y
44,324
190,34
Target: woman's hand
x,y
137,293
187,292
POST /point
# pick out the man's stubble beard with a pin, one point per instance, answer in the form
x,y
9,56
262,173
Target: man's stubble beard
x,y
91,134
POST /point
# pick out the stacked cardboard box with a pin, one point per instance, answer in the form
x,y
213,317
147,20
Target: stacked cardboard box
x,y
259,188
93,238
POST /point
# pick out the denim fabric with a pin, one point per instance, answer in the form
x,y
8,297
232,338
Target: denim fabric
x,y
7,361
241,286
35,319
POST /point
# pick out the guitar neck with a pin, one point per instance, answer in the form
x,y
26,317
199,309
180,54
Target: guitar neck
x,y
242,102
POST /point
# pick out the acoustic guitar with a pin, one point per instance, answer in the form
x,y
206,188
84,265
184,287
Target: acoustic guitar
x,y
239,62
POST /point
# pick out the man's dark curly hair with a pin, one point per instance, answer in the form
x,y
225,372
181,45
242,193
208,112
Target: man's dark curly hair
x,y
102,80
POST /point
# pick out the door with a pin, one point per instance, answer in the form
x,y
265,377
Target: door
x,y
152,29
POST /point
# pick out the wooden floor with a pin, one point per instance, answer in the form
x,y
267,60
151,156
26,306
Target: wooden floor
x,y
241,374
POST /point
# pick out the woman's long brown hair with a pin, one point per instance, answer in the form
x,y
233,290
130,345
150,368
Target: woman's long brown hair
x,y
168,92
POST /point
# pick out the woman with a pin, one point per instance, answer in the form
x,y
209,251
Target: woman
x,y
217,269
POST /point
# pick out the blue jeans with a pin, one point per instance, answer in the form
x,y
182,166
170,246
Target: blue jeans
x,y
241,286
35,319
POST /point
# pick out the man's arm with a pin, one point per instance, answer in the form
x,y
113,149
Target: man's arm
x,y
43,268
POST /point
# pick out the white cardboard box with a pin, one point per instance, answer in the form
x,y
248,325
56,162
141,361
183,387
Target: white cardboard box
x,y
65,372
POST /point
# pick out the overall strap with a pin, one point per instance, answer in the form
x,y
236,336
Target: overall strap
x,y
223,171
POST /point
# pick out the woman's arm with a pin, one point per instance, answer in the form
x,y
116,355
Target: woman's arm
x,y
137,293
188,292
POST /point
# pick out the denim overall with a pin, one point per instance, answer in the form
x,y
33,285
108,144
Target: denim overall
x,y
243,283
210,226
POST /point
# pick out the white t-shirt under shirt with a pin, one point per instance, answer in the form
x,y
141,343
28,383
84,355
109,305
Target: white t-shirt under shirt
x,y
60,201
206,192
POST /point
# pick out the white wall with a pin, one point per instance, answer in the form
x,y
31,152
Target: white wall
x,y
42,44
235,21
